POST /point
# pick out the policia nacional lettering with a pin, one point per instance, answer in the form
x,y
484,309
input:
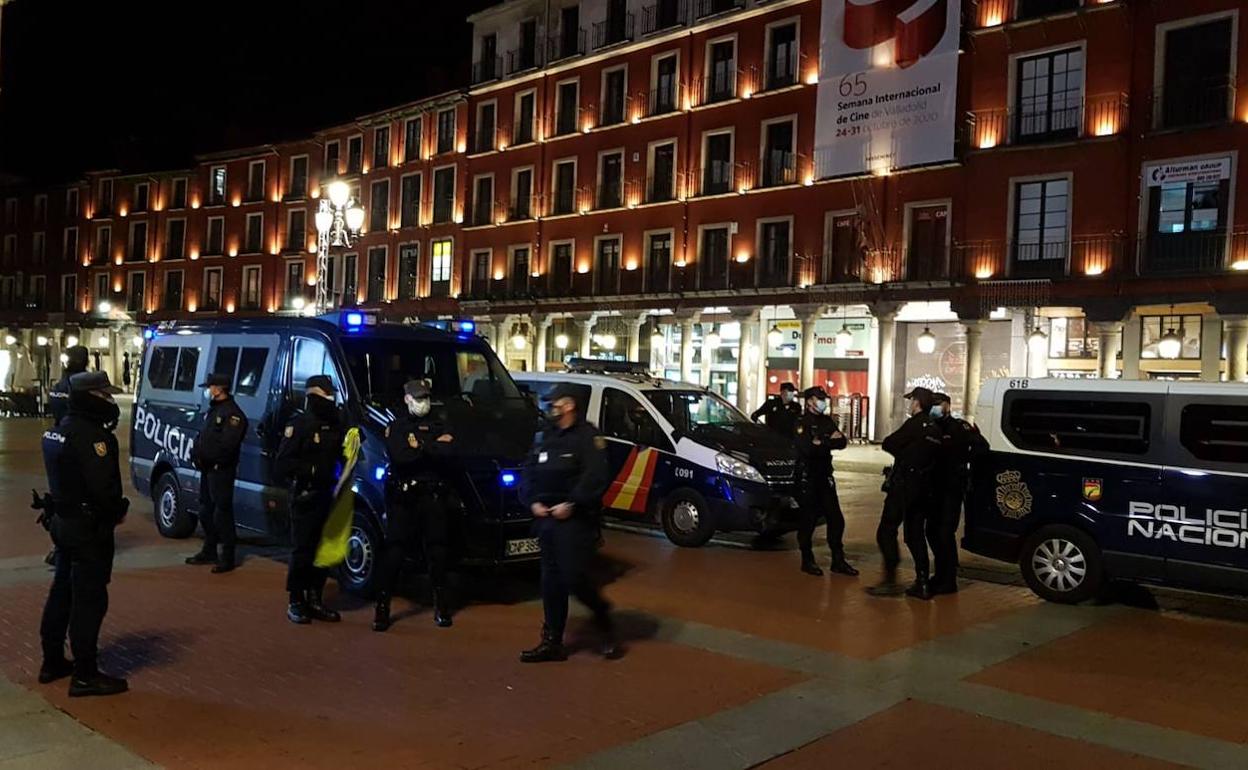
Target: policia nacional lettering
x,y
1164,521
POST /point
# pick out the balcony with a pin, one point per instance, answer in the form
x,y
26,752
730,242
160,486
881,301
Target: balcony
x,y
777,169
487,69
781,70
1103,115
662,101
609,194
1194,103
613,30
565,46
485,139
481,215
705,8
721,86
663,15
520,209
1191,253
719,177
1088,255
564,201
521,59
612,111
661,188
993,13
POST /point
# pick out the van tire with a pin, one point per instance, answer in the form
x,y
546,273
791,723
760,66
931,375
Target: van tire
x,y
360,573
1062,564
173,520
686,519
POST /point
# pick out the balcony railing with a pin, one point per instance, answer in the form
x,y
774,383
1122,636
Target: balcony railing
x,y
521,59
481,214
720,86
662,15
777,169
522,132
609,194
661,188
613,30
565,46
1089,255
1194,103
663,101
782,70
487,69
564,201
991,13
704,8
1191,253
612,111
1102,115
719,177
520,209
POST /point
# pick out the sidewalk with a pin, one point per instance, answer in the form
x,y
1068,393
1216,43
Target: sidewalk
x,y
862,458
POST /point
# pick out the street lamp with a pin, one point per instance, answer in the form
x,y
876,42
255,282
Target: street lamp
x,y
561,341
926,341
10,340
71,341
105,307
1170,344
608,342
338,222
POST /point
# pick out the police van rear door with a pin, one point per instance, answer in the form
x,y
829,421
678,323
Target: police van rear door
x,y
1205,526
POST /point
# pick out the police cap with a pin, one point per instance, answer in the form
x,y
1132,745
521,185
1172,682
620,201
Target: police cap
x,y
417,389
218,379
321,381
942,398
924,396
815,392
565,390
87,381
76,358
789,387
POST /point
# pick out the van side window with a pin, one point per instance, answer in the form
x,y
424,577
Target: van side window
x,y
250,371
1075,426
312,358
226,362
188,366
624,417
1215,433
160,368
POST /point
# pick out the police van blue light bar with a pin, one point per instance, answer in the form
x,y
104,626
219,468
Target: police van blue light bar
x,y
379,472
508,478
354,320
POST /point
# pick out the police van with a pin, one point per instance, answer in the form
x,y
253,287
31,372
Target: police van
x,y
680,454
269,360
1096,480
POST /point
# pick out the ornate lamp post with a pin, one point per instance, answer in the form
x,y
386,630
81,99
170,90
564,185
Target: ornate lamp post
x,y
338,221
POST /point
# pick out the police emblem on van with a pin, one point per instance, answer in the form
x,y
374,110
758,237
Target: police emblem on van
x,y
1092,490
1013,496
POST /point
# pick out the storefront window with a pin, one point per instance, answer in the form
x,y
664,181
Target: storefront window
x,y
1186,326
1072,338
944,369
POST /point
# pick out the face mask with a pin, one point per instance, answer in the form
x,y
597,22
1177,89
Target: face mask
x,y
419,407
938,411
320,406
821,406
786,396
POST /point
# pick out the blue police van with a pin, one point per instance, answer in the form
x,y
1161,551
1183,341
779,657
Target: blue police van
x,y
680,454
269,360
1095,480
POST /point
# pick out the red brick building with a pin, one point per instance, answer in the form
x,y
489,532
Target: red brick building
x,y
639,178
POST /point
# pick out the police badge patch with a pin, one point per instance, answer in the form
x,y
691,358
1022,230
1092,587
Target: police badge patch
x,y
411,440
600,442
290,431
235,420
101,449
1013,496
1092,489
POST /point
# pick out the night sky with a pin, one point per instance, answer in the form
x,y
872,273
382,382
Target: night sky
x,y
143,85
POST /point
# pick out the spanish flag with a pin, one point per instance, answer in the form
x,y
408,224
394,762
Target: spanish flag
x,y
625,492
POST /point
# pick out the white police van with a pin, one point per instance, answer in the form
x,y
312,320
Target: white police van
x,y
680,454
1093,480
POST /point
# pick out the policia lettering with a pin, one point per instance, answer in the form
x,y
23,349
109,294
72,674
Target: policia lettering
x,y
1163,521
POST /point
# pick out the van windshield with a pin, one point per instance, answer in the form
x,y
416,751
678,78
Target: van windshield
x,y
691,410
381,366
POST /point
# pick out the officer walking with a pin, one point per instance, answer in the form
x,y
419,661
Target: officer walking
x,y
563,483
961,444
915,448
780,414
307,460
817,436
84,477
416,501
58,396
216,454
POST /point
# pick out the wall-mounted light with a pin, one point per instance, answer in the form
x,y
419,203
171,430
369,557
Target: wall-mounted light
x,y
561,341
1170,345
926,341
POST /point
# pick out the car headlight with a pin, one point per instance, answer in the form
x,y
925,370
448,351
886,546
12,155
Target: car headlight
x,y
739,468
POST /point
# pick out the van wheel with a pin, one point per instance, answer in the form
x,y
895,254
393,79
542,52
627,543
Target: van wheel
x,y
358,575
686,520
1062,564
172,518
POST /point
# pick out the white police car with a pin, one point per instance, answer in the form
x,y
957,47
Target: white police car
x,y
680,454
1091,480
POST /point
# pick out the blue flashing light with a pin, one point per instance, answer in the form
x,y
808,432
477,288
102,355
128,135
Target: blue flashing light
x,y
468,327
507,479
379,472
354,319
149,334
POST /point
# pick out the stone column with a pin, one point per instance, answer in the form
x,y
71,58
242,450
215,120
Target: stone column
x,y
1131,329
540,323
686,348
634,336
1109,336
886,316
808,315
1236,348
1211,349
585,330
974,365
748,320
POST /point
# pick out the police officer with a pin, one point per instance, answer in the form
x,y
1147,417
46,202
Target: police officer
x,y
915,448
780,414
216,455
817,436
562,483
961,444
58,397
84,476
417,512
307,460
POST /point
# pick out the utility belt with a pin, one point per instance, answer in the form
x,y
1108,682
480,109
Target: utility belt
x,y
412,487
49,508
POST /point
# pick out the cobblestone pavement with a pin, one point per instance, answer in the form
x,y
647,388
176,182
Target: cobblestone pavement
x,y
734,660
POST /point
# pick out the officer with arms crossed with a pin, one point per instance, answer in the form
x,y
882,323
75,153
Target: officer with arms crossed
x,y
307,460
416,501
216,455
915,448
81,459
563,483
817,436
780,414
961,444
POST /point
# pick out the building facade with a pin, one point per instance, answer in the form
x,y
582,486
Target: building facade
x,y
641,179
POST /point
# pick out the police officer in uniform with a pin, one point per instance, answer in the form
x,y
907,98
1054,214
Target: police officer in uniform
x,y
817,436
780,414
216,454
915,448
961,444
563,483
84,476
307,460
58,396
416,501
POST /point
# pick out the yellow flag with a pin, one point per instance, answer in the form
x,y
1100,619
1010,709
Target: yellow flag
x,y
332,550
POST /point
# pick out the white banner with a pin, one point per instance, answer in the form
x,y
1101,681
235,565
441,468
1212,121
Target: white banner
x,y
888,81
1198,171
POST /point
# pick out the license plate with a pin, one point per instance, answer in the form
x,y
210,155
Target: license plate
x,y
523,547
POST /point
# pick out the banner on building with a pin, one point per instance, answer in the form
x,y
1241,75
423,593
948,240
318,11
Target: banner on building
x,y
1188,171
888,72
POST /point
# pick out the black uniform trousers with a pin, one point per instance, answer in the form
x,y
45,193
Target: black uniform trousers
x,y
905,508
78,599
942,529
417,520
308,515
216,511
567,552
820,501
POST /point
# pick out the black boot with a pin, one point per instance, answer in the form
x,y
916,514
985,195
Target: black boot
x,y
298,611
224,564
52,670
888,585
203,557
608,645
441,609
809,566
96,684
550,649
842,567
318,610
921,587
381,612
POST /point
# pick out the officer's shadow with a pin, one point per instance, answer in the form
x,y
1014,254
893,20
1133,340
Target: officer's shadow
x,y
130,653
